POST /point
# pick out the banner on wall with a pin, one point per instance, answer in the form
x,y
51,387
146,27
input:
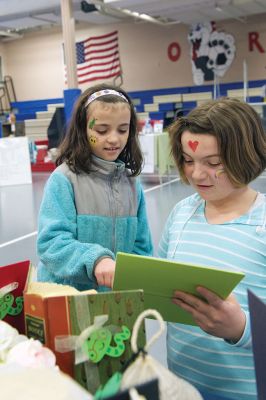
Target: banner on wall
x,y
98,58
211,52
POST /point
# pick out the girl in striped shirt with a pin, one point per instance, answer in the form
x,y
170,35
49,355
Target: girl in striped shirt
x,y
219,148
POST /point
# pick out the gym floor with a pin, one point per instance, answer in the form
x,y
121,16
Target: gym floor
x,y
19,206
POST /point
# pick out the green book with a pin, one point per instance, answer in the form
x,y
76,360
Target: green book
x,y
160,277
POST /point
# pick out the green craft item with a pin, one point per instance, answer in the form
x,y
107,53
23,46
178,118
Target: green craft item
x,y
98,344
6,305
122,309
134,272
111,387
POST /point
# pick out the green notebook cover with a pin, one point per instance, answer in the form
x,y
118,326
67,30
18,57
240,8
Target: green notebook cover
x,y
159,277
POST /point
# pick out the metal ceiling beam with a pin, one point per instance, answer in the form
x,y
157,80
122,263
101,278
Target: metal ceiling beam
x,y
10,34
132,14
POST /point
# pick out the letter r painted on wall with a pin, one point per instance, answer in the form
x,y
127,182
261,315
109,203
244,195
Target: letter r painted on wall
x,y
253,41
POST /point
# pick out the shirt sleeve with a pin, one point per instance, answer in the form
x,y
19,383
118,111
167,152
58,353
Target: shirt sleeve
x,y
245,340
65,257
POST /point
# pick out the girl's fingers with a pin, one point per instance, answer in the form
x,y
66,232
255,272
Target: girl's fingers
x,y
211,297
208,296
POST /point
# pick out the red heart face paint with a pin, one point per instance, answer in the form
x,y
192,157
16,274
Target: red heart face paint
x,y
193,144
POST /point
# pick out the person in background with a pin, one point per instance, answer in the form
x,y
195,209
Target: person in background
x,y
12,121
219,148
93,204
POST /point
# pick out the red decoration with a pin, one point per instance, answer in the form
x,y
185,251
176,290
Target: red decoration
x,y
15,273
174,51
253,41
40,165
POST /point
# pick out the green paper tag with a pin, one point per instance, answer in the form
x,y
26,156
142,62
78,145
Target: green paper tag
x,y
111,387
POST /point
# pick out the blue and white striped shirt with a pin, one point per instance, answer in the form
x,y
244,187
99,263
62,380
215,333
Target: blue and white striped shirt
x,y
210,363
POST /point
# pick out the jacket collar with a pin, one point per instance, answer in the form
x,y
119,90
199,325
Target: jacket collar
x,y
108,167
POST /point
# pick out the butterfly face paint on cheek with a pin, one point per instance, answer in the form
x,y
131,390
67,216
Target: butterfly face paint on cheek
x,y
92,140
193,144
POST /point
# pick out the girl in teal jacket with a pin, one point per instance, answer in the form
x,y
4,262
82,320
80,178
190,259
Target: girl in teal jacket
x,y
93,204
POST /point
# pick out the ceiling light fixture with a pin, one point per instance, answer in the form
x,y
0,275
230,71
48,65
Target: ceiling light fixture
x,y
219,9
87,7
132,14
10,34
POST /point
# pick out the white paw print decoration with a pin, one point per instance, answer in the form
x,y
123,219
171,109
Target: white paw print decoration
x,y
212,52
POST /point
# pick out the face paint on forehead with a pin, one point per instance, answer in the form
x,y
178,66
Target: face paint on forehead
x,y
92,123
193,144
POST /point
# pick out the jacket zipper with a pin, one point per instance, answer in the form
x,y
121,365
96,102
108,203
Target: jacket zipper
x,y
113,207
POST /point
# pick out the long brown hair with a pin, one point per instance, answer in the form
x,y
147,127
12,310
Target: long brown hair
x,y
238,130
75,149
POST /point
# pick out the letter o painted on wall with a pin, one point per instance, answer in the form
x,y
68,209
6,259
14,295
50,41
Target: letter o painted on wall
x,y
174,51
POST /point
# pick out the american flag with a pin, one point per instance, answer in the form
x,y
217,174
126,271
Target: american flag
x,y
98,58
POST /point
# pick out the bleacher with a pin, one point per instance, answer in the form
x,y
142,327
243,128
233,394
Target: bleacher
x,y
166,103
158,104
37,115
36,129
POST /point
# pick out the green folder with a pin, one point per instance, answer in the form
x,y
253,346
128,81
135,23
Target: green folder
x,y
160,277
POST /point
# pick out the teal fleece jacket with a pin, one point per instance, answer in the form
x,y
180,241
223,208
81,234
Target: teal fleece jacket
x,y
85,217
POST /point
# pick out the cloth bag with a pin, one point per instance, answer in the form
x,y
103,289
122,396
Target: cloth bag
x,y
26,383
145,368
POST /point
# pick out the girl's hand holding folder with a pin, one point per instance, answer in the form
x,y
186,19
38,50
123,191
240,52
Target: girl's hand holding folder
x,y
218,317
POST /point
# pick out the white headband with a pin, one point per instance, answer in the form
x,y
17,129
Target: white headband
x,y
104,92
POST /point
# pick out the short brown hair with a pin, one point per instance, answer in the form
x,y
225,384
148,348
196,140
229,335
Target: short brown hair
x,y
239,132
75,149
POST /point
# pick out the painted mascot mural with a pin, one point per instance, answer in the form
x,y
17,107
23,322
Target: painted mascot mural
x,y
212,52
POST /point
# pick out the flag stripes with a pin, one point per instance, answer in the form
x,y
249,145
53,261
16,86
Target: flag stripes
x,y
98,58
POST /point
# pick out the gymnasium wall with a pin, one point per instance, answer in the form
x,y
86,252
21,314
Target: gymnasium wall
x,y
35,62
